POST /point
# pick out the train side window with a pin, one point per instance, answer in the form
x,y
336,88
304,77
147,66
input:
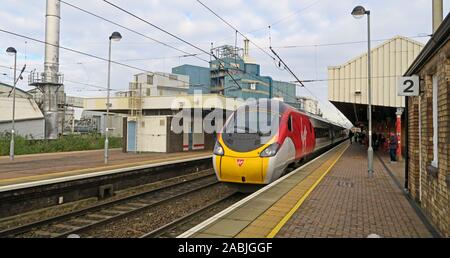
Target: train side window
x,y
290,123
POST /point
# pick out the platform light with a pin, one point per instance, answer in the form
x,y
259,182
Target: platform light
x,y
358,12
115,36
13,52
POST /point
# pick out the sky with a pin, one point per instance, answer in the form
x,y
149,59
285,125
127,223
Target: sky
x,y
305,24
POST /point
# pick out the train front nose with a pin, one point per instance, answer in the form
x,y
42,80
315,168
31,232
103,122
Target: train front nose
x,y
240,169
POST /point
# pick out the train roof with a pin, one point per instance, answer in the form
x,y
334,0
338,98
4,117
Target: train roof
x,y
283,107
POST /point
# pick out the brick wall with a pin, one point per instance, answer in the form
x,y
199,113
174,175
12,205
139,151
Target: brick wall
x,y
435,187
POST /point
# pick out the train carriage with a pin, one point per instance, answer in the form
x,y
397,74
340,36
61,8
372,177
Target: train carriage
x,y
261,139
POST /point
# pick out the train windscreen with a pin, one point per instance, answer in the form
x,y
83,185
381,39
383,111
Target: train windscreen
x,y
249,129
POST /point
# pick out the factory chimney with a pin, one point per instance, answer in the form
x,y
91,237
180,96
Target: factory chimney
x,y
247,58
50,82
438,13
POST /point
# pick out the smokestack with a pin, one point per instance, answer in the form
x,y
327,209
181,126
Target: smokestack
x,y
52,21
246,45
247,57
50,81
438,14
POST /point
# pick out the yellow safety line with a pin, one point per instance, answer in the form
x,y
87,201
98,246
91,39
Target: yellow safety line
x,y
50,175
285,219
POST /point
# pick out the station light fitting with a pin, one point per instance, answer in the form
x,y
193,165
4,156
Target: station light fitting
x,y
11,51
359,12
115,36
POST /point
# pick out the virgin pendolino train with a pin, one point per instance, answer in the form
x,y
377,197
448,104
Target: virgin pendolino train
x,y
260,140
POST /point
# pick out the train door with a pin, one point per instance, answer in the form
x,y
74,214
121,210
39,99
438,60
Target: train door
x,y
308,132
331,132
297,134
312,137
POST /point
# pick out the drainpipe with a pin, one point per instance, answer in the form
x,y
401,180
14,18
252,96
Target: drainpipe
x,y
406,144
420,147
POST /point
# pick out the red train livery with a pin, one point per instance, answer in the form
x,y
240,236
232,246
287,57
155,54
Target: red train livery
x,y
261,139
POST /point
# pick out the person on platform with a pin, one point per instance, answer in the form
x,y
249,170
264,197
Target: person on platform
x,y
350,136
393,144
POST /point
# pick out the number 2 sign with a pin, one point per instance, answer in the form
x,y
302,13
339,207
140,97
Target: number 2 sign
x,y
408,86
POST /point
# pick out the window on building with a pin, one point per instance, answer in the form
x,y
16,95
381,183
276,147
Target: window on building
x,y
435,91
253,86
173,77
148,91
149,79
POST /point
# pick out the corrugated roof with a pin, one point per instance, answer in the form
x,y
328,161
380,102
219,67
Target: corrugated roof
x,y
378,47
25,109
348,82
5,89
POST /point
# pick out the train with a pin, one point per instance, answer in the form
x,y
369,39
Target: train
x,y
262,139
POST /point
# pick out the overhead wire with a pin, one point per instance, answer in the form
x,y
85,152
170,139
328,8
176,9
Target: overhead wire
x,y
129,29
344,42
89,55
281,20
234,28
172,35
70,81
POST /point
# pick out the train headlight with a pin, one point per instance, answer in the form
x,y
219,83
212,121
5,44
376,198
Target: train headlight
x,y
218,150
270,151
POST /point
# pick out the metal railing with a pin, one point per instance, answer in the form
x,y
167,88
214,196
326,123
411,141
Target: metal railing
x,y
37,79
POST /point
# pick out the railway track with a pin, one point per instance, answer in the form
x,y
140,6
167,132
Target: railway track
x,y
178,226
98,215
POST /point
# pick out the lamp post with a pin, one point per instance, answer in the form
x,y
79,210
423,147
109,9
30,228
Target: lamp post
x,y
12,51
115,36
358,12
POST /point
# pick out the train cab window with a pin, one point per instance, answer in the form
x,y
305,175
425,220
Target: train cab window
x,y
290,125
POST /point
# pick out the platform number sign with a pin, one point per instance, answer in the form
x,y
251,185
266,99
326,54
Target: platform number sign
x,y
408,86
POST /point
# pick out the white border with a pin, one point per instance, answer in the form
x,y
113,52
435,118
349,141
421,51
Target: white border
x,y
93,174
221,214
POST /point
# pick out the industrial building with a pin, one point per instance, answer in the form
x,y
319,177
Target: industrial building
x,y
94,122
29,120
348,89
159,84
199,77
245,81
309,105
150,120
428,115
148,103
67,104
6,91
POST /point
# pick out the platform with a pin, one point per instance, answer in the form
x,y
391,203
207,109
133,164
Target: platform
x,y
36,167
331,196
